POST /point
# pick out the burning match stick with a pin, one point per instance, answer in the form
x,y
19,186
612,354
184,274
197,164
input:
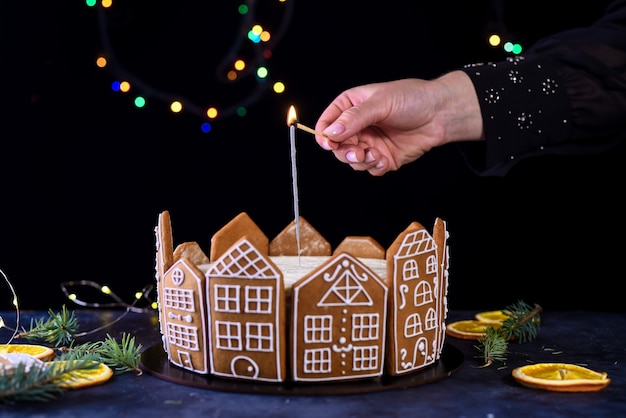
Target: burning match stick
x,y
309,130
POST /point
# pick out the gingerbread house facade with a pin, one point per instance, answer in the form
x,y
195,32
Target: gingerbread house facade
x,y
416,303
339,313
183,305
342,320
246,315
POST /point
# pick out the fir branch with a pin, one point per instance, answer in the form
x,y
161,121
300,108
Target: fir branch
x,y
40,383
57,329
122,357
492,347
522,324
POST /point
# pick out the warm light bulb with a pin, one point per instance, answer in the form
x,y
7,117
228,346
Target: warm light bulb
x,y
176,106
211,112
279,87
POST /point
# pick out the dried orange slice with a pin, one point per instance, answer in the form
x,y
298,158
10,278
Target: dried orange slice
x,y
469,329
492,316
41,352
561,377
84,377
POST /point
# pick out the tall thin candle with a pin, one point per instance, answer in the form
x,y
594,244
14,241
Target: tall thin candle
x,y
291,121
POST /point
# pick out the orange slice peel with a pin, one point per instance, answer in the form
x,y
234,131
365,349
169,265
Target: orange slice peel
x,y
492,316
561,377
470,329
80,378
40,352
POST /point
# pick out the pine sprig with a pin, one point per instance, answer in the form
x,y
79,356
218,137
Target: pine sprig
x,y
492,347
43,382
522,324
121,358
58,329
40,382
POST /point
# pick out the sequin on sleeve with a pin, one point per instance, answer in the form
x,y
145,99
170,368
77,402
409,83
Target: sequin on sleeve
x,y
525,110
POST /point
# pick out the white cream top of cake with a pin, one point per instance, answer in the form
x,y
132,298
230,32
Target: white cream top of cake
x,y
294,268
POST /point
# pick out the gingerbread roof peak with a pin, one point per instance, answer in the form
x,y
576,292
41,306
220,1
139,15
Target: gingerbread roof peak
x,y
312,242
240,226
364,247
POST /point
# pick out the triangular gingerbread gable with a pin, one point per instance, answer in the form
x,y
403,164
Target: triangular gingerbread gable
x,y
238,227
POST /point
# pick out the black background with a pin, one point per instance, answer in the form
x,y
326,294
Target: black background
x,y
84,174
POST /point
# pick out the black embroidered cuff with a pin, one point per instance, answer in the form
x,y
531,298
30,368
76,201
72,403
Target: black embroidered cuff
x,y
525,110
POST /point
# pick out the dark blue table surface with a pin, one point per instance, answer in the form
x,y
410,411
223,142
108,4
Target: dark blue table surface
x,y
593,339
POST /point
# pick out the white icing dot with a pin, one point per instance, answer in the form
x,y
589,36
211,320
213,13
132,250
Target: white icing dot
x,y
342,340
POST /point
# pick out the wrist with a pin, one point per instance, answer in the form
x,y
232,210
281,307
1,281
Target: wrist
x,y
459,111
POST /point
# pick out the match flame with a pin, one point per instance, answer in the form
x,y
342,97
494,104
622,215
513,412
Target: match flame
x,y
291,116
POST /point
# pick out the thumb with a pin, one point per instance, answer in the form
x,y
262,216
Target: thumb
x,y
352,121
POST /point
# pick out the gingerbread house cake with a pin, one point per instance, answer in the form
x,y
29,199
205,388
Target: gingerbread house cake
x,y
255,309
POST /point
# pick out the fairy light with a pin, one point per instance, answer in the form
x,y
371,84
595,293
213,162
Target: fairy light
x,y
211,113
143,294
16,304
176,106
70,289
279,87
234,67
495,40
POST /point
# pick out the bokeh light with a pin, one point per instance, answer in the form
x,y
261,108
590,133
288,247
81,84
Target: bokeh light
x,y
495,40
250,62
176,106
279,87
140,101
211,112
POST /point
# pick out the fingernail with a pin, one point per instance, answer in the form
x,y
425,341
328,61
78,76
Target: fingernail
x,y
369,157
326,146
380,164
334,129
351,156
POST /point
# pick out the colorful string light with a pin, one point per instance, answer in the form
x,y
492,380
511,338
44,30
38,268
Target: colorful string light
x,y
232,69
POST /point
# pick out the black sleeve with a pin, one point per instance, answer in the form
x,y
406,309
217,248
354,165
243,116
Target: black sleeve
x,y
565,96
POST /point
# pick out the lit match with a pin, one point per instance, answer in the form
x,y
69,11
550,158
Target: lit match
x,y
293,120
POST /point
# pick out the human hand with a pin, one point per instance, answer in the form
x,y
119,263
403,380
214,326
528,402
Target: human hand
x,y
382,126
